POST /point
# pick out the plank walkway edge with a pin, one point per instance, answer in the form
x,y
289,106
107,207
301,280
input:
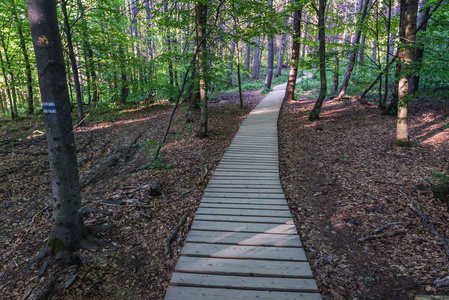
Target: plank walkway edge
x,y
243,243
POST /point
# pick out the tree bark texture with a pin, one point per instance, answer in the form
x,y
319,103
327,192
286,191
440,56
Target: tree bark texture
x,y
315,113
200,24
291,83
419,51
270,63
280,56
68,232
256,64
402,137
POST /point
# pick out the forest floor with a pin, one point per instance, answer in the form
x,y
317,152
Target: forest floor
x,y
344,178
342,175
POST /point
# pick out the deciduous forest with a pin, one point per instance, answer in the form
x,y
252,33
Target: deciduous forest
x,y
114,114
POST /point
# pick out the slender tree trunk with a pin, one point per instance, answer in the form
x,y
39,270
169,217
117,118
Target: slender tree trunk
x,y
30,108
385,95
12,83
238,76
201,23
169,48
76,79
280,56
336,74
353,55
68,232
402,137
291,83
315,113
248,57
7,85
231,54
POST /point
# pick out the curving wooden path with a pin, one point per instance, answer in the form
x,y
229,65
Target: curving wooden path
x,y
243,243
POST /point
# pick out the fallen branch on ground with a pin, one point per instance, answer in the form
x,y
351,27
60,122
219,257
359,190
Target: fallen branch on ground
x,y
378,236
444,241
191,189
173,235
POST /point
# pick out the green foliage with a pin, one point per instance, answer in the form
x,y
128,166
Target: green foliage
x,y
150,147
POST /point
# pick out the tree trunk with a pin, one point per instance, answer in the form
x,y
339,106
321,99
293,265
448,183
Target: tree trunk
x,y
315,113
12,83
256,65
291,83
281,56
353,55
30,108
419,51
68,232
231,54
76,79
336,74
238,76
385,95
201,23
7,85
270,62
402,137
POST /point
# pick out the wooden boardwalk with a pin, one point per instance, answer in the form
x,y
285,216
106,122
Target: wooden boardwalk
x,y
243,243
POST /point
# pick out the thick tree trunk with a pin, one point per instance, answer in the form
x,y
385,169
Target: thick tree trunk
x,y
315,113
256,65
239,77
280,56
385,95
76,79
270,62
402,137
352,58
201,23
419,51
291,83
68,232
30,105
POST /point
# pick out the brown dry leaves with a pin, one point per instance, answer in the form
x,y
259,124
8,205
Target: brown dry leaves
x,y
343,178
133,266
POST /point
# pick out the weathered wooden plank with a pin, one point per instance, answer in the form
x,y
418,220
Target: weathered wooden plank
x,y
243,190
242,206
245,212
243,195
197,293
244,227
240,282
248,219
244,267
257,201
218,184
244,238
239,251
247,181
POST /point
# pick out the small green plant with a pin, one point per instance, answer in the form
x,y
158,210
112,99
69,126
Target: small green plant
x,y
371,278
266,91
446,121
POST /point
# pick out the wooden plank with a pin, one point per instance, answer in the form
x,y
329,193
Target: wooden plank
x,y
245,212
256,201
244,227
244,267
239,251
248,219
259,283
244,238
244,190
246,181
244,185
197,293
237,194
242,206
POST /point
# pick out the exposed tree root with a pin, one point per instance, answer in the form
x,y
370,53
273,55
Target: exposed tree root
x,y
173,235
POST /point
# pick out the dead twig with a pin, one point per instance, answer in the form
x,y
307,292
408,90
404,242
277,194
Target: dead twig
x,y
159,187
173,235
378,236
385,227
444,241
191,189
